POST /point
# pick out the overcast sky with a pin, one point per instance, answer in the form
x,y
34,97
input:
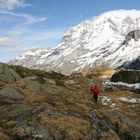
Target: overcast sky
x,y
26,24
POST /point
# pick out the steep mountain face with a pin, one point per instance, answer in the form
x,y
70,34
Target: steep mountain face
x,y
33,58
134,64
108,40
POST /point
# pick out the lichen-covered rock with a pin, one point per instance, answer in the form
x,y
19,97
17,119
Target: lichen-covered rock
x,y
15,110
7,74
114,126
11,93
33,86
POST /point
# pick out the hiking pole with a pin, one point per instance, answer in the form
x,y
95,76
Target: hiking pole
x,y
91,83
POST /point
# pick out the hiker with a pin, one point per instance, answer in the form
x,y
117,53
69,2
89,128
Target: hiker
x,y
95,91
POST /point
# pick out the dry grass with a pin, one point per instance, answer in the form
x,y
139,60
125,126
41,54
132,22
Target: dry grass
x,y
3,136
107,72
74,128
102,72
2,83
71,101
129,109
31,97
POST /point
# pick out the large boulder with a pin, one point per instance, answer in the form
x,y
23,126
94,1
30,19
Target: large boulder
x,y
126,76
7,74
11,93
19,112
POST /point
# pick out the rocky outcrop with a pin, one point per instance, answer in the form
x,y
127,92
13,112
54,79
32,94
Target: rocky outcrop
x,y
7,74
126,76
11,93
43,105
135,34
114,126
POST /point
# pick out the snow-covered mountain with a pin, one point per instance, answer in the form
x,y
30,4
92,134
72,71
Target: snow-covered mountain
x,y
109,40
134,64
33,57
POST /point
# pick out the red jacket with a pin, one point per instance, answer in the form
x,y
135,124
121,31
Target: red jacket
x,y
95,90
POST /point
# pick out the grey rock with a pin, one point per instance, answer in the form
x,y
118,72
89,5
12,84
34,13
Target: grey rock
x,y
106,125
33,86
8,74
50,81
37,131
126,76
50,112
74,113
58,136
14,110
11,93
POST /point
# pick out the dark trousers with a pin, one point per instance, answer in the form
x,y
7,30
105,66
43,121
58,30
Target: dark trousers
x,y
95,97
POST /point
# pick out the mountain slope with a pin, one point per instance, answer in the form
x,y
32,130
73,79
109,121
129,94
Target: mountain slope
x,y
108,40
33,57
50,106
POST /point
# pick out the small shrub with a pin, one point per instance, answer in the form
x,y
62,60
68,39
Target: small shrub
x,y
123,129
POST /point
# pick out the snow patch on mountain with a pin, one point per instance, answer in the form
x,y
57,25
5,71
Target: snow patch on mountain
x,y
133,100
